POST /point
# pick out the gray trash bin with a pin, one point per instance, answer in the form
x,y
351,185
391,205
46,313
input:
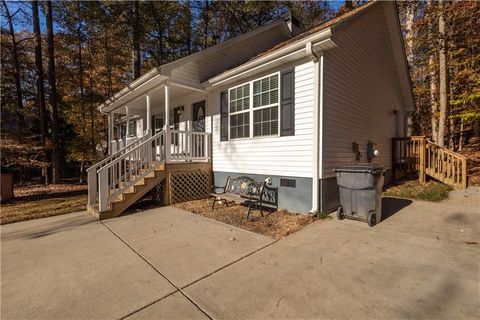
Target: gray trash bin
x,y
360,188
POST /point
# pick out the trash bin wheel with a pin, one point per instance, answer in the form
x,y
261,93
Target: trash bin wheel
x,y
340,215
372,219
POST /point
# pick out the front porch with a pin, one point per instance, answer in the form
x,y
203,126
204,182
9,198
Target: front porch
x,y
170,106
154,139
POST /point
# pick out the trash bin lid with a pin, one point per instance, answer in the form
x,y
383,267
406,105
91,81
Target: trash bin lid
x,y
361,168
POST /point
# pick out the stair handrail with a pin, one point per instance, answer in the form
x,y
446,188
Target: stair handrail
x,y
458,180
142,163
116,153
445,149
92,171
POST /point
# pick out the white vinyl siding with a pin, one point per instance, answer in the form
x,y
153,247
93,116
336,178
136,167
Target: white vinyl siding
x,y
269,155
361,92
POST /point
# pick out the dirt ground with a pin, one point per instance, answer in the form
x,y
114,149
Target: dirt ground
x,y
39,201
276,224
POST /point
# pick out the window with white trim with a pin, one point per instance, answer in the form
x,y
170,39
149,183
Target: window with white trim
x,y
254,104
265,104
132,128
239,105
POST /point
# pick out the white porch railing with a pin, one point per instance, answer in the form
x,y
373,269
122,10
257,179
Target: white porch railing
x,y
115,174
92,171
189,146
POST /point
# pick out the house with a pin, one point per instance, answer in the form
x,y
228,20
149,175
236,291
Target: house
x,y
268,103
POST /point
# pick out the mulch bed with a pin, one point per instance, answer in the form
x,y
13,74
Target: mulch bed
x,y
277,224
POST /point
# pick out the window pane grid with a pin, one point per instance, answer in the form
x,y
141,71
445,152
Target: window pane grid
x,y
240,125
265,122
240,98
265,91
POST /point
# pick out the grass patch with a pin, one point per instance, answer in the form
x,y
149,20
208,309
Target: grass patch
x,y
431,191
323,215
21,210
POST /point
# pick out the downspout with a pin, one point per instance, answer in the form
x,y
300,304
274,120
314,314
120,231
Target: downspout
x,y
316,126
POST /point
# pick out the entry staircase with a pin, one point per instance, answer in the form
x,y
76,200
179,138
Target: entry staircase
x,y
124,177
418,155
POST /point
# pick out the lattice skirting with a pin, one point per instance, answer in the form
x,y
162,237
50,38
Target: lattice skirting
x,y
189,185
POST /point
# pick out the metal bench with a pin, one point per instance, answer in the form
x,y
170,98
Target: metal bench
x,y
246,191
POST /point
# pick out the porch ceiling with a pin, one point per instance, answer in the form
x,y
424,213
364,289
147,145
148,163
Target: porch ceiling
x,y
138,106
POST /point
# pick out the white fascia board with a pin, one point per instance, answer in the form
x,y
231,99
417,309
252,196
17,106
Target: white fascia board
x,y
133,93
129,88
187,85
296,48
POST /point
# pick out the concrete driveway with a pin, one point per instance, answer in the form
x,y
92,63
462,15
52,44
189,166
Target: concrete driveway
x,y
422,261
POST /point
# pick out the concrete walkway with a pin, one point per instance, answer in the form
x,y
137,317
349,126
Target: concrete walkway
x,y
422,261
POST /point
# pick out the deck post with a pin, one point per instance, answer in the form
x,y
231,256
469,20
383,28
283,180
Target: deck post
x,y
422,158
167,125
92,186
127,123
149,113
149,127
102,190
110,133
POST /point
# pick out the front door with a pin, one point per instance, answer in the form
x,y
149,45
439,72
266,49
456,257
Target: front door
x,y
198,123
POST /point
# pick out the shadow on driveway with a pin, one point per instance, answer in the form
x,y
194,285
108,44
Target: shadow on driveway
x,y
40,228
390,206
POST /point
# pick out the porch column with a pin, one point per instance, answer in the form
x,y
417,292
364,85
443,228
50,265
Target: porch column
x,y
167,124
109,142
126,125
149,114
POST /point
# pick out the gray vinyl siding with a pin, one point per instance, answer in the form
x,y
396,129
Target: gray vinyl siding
x,y
297,199
361,90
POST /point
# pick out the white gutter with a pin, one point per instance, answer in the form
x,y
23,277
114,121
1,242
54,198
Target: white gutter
x,y
131,87
321,39
317,112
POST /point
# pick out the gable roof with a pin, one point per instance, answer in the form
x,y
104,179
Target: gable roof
x,y
302,36
329,23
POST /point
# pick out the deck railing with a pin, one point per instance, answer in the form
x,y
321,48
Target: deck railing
x,y
445,165
120,171
419,156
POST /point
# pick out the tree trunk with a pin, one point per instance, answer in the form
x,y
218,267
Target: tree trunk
x,y
409,15
16,65
432,72
136,59
91,106
82,93
443,75
39,72
39,82
206,18
53,97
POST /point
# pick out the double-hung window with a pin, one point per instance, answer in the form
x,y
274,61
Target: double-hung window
x,y
265,106
239,105
254,105
132,128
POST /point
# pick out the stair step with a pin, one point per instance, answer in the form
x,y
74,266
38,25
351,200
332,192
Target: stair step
x,y
129,196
